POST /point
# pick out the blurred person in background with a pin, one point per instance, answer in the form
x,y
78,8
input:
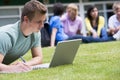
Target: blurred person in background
x,y
56,27
114,22
72,23
95,23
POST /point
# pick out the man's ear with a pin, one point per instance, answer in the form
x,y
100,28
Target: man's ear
x,y
26,19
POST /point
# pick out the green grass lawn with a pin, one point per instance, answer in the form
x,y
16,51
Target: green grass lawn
x,y
94,61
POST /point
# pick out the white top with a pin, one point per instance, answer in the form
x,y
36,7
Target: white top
x,y
113,22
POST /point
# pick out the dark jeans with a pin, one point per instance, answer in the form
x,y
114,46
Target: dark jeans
x,y
90,39
103,38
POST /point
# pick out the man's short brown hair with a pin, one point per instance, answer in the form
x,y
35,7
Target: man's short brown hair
x,y
31,7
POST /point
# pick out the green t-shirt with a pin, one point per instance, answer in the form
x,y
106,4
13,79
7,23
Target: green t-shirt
x,y
14,44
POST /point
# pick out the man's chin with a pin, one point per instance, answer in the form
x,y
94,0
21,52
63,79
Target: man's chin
x,y
38,30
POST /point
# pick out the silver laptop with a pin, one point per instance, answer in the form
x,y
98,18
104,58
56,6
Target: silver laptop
x,y
64,54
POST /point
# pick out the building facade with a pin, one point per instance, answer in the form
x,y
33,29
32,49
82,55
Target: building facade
x,y
10,10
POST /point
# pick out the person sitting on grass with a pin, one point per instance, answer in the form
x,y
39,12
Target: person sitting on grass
x,y
72,23
114,22
56,27
95,23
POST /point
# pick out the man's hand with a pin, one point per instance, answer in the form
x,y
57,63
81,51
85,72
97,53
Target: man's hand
x,y
17,68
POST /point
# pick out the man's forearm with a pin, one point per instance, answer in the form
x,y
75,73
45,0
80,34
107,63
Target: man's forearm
x,y
3,67
34,61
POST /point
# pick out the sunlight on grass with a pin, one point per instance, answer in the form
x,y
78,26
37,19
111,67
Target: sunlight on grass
x,y
94,61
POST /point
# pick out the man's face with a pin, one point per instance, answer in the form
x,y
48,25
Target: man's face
x,y
117,11
37,22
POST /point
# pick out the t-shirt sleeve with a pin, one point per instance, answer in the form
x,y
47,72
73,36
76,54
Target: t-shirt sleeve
x,y
5,43
37,39
56,23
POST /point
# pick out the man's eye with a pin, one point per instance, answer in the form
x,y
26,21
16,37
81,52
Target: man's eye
x,y
39,22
